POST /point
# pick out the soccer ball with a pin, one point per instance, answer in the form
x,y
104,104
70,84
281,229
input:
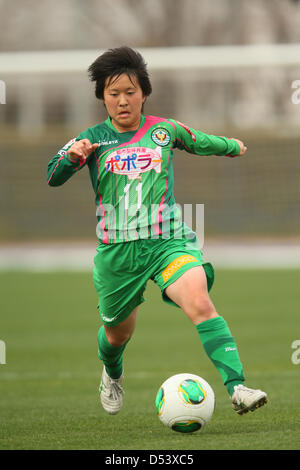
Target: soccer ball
x,y
185,402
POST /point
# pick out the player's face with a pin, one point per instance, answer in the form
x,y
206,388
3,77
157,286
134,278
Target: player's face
x,y
123,99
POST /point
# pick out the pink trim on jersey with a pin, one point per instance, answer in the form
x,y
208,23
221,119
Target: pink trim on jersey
x,y
188,130
81,163
102,221
185,146
149,122
105,235
61,158
160,208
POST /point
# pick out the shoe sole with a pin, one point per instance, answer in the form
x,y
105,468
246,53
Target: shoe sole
x,y
260,402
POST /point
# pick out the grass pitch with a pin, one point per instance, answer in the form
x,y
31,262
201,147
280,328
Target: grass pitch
x,y
48,386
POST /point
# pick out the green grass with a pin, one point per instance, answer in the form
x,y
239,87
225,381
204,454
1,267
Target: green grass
x,y
48,387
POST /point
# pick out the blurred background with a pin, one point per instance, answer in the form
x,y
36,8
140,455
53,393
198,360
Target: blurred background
x,y
227,67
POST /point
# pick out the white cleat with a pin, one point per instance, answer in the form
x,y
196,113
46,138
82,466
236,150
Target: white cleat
x,y
246,399
111,393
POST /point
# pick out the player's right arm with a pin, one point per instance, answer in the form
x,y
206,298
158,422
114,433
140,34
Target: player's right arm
x,y
71,158
199,143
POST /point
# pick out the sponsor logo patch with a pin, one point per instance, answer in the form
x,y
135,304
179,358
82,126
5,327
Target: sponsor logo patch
x,y
176,264
133,161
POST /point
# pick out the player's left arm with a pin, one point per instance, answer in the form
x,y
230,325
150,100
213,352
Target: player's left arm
x,y
199,143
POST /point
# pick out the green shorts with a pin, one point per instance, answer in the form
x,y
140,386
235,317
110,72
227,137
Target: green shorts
x,y
122,271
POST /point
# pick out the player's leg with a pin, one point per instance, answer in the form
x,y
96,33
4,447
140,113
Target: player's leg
x,y
190,292
111,344
112,341
120,282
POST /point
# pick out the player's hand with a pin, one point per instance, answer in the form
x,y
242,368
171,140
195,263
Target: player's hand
x,y
81,149
242,147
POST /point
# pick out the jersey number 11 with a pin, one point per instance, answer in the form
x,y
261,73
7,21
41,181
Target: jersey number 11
x,y
139,195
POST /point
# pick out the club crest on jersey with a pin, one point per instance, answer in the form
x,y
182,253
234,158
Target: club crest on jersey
x,y
161,136
133,161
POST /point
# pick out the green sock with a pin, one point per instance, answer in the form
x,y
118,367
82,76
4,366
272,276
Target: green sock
x,y
112,356
221,348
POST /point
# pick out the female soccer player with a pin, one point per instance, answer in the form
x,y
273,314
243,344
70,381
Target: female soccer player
x,y
140,232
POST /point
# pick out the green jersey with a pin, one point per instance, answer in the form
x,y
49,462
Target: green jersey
x,y
132,174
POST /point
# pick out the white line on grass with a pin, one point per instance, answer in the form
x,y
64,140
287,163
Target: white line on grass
x,y
79,256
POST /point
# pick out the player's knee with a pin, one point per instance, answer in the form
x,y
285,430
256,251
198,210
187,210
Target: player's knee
x,y
118,339
201,308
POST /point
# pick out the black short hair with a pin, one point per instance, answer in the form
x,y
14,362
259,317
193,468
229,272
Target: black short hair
x,y
115,62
